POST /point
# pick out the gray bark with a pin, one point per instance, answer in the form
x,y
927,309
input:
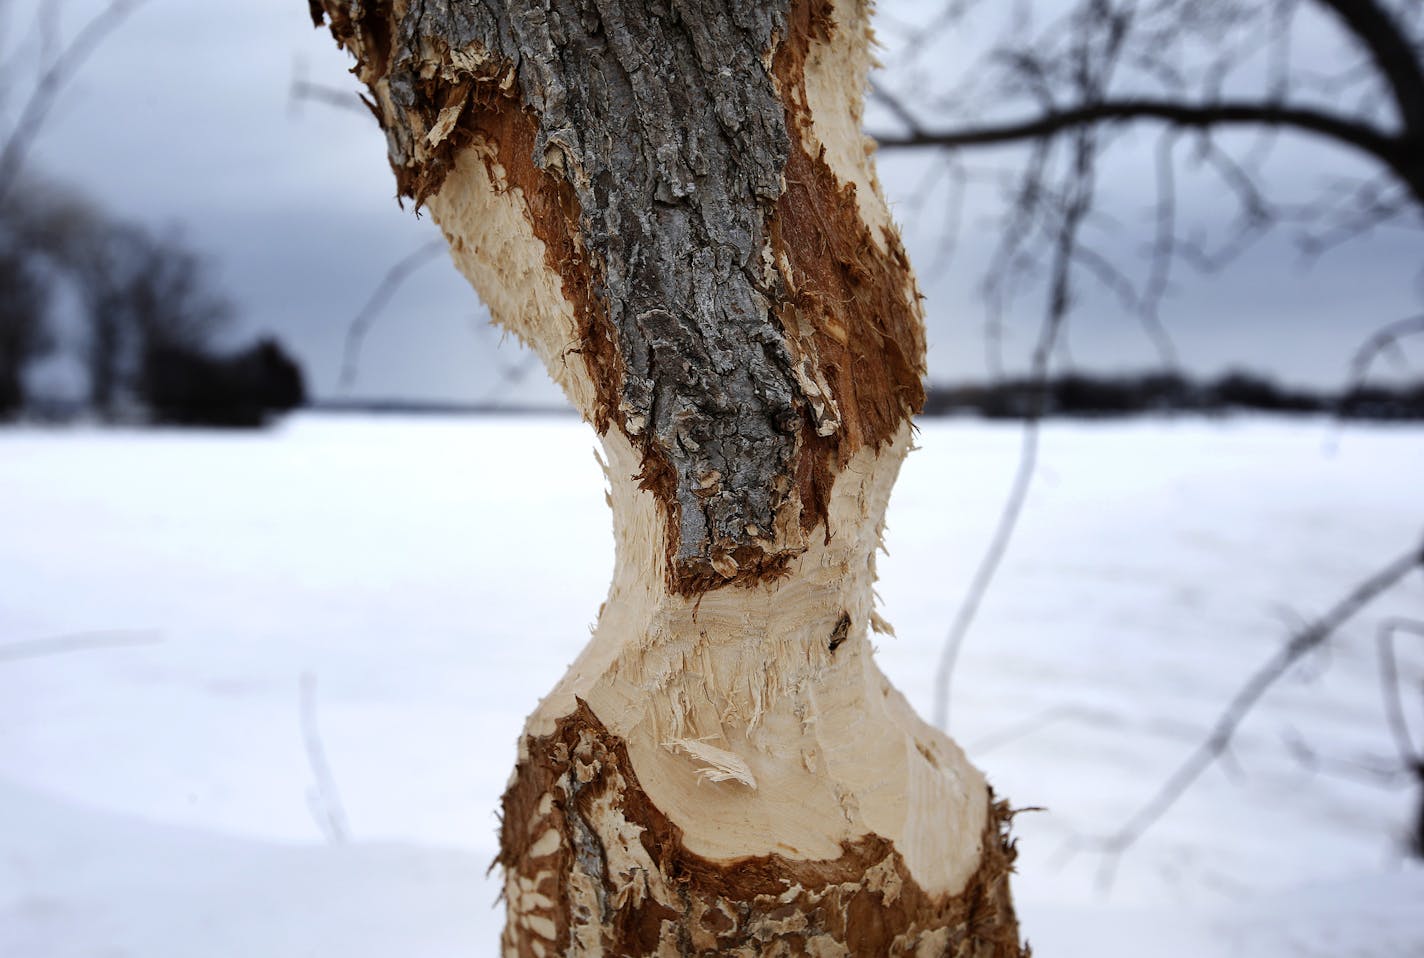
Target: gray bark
x,y
668,119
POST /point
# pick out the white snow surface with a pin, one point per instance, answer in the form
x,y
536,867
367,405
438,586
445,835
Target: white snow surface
x,y
432,578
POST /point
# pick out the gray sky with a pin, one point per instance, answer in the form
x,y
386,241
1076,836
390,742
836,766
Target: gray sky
x,y
184,119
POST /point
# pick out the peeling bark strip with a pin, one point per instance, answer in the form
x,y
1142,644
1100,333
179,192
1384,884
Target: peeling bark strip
x,y
578,828
851,303
737,317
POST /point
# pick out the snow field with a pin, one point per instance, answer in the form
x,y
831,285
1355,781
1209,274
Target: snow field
x,y
433,578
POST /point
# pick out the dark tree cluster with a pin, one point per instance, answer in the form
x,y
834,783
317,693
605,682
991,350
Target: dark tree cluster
x,y
151,319
189,387
1095,396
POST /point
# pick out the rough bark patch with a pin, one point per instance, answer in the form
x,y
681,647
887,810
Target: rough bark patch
x,y
592,867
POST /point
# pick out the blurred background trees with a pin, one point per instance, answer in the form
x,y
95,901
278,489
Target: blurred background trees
x,y
147,320
1111,151
149,326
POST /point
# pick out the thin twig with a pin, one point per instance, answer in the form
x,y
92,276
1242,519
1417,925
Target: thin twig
x,y
1409,754
987,569
1080,190
1164,254
897,107
52,81
507,374
1411,758
1219,739
1040,721
1379,774
1384,340
1343,129
389,285
78,642
329,96
323,798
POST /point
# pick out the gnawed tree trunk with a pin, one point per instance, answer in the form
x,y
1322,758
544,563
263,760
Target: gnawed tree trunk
x,y
673,204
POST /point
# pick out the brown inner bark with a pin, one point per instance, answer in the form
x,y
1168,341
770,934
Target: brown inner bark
x,y
865,901
866,334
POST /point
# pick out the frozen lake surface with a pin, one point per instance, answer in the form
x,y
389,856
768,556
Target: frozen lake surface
x,y
429,579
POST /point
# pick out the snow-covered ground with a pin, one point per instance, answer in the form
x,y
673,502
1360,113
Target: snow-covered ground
x,y
429,579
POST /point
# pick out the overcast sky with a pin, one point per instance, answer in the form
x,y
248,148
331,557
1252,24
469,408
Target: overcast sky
x,y
185,120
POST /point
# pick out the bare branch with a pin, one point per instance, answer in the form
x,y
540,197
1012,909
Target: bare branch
x,y
78,642
332,96
389,285
1391,52
1380,342
1245,699
896,106
988,565
1382,774
323,799
1175,113
1410,755
507,374
1354,212
1041,720
1164,250
1081,179
53,79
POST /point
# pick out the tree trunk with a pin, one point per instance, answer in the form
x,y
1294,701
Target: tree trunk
x,y
673,204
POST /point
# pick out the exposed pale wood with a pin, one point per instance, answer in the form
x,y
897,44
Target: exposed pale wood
x,y
833,749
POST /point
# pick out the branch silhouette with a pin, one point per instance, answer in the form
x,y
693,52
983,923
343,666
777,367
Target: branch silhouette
x,y
1218,740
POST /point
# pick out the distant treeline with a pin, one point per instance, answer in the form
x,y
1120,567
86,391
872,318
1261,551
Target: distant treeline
x,y
1086,395
152,333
